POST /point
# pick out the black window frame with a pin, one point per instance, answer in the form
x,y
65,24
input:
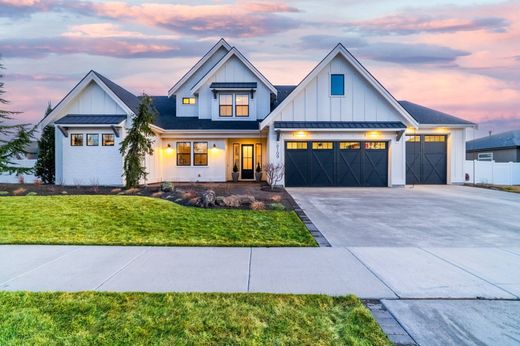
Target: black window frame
x,y
92,145
184,154
332,76
195,154
237,105
220,105
73,135
103,141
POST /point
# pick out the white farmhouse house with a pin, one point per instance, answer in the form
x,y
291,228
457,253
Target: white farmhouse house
x,y
338,127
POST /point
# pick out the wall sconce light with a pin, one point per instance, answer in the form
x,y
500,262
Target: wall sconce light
x,y
214,146
300,134
169,149
373,134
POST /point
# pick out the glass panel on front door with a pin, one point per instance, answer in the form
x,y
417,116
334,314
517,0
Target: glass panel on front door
x,y
247,161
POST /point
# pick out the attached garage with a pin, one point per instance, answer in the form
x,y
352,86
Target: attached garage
x,y
426,159
336,163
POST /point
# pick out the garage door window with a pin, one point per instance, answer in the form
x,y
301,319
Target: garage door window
x,y
322,145
434,138
297,145
350,145
413,138
375,145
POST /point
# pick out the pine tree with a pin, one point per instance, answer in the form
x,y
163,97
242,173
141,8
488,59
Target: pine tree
x,y
14,139
138,143
45,165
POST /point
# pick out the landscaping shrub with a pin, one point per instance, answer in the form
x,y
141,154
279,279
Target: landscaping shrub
x,y
257,205
277,206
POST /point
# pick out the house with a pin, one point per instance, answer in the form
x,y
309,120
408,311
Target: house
x,y
338,127
502,147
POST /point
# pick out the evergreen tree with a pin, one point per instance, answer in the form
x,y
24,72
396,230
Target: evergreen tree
x,y
14,139
45,165
138,143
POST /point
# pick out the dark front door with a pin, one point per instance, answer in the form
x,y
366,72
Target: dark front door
x,y
247,169
336,163
426,159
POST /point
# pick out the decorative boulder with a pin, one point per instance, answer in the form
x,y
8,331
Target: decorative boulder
x,y
246,199
208,199
219,201
167,186
232,201
195,202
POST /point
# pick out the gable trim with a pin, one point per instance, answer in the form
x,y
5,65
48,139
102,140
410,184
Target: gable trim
x,y
340,49
202,61
249,65
76,90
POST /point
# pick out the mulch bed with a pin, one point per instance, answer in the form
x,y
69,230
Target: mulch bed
x,y
260,192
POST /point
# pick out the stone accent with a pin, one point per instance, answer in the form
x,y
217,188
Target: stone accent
x,y
390,326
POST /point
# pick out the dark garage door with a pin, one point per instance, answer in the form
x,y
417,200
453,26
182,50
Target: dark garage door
x,y
336,163
426,159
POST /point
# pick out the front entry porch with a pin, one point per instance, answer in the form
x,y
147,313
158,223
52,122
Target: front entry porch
x,y
245,156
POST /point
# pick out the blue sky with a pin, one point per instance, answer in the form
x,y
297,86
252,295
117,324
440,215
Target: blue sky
x,y
460,57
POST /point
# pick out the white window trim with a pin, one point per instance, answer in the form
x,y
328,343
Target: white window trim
x,y
344,85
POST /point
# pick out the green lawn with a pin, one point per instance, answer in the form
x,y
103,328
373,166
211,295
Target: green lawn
x,y
132,220
89,318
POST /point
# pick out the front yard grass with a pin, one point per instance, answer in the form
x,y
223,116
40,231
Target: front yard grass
x,y
132,220
89,318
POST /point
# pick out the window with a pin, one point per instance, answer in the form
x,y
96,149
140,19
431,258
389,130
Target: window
x,y
92,139
226,105
200,153
258,154
322,145
189,100
183,154
76,140
107,140
349,145
337,84
242,105
236,154
375,145
485,156
434,138
413,138
296,145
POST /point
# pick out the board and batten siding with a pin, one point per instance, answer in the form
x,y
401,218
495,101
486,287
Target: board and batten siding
x,y
361,101
185,89
92,100
88,165
234,71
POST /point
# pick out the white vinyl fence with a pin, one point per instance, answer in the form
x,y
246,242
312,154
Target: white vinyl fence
x,y
491,172
7,178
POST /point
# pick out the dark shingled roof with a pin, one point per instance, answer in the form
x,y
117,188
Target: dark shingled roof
x,y
505,140
283,92
339,125
129,99
222,85
168,120
424,115
94,119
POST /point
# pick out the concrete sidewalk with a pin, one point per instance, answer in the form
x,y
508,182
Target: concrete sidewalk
x,y
379,273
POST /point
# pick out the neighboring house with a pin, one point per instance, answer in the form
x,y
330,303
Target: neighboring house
x,y
338,127
502,147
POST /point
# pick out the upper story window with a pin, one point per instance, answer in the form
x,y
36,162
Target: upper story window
x,y
337,84
225,105
242,105
189,100
108,140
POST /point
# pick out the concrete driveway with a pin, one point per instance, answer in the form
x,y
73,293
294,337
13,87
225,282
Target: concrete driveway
x,y
422,216
434,243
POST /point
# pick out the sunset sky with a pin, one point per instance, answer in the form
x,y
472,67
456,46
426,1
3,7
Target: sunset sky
x,y
461,57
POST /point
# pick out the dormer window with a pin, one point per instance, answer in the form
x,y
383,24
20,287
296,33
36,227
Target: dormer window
x,y
189,100
226,105
242,105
